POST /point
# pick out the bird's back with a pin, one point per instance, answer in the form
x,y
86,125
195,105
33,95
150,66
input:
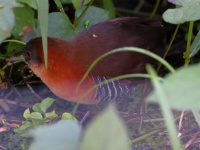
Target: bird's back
x,y
116,33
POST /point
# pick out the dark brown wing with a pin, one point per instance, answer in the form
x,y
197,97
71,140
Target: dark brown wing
x,y
116,33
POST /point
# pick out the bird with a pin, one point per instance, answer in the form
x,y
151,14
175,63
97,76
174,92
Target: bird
x,y
68,60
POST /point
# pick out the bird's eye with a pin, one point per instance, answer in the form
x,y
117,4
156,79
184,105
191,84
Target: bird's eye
x,y
27,54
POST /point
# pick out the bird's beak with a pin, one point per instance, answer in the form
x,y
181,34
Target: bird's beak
x,y
17,57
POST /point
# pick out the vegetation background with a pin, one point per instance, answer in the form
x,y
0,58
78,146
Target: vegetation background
x,y
156,127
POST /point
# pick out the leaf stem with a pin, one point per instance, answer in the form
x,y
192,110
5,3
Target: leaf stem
x,y
155,9
187,53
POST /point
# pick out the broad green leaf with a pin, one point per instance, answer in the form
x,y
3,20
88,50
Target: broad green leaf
x,y
59,27
59,5
36,107
24,19
31,3
79,3
68,116
106,132
182,88
46,103
26,113
43,9
37,119
37,122
64,135
195,47
188,11
14,47
7,18
35,115
93,16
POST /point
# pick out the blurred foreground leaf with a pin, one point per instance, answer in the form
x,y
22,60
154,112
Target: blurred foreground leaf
x,y
31,3
64,135
7,18
182,88
43,10
195,47
106,132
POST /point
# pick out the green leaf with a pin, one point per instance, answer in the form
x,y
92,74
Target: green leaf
x,y
7,18
37,108
46,103
35,115
24,126
79,3
59,27
36,119
14,47
165,107
43,9
197,116
68,116
36,122
94,15
66,1
106,132
9,4
24,19
51,115
195,47
64,135
181,88
26,113
31,3
109,6
189,11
